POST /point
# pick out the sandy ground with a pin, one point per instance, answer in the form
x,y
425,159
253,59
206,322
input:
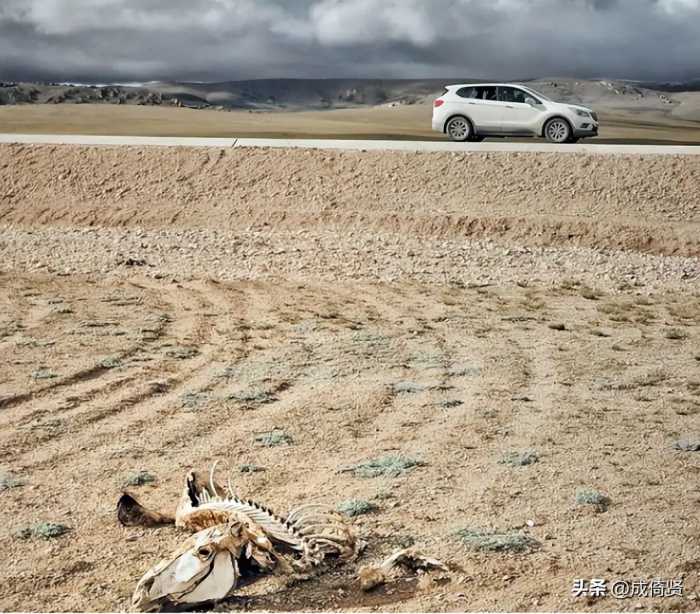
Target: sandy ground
x,y
160,309
404,122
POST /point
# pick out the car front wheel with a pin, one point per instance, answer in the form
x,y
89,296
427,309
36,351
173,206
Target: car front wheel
x,y
557,130
459,129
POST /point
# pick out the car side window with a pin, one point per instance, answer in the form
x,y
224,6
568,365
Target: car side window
x,y
468,92
511,94
487,93
527,95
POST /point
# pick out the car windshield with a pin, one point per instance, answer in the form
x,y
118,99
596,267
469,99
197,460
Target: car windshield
x,y
536,93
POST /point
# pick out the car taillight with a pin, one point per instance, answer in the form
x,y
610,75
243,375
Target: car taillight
x,y
438,103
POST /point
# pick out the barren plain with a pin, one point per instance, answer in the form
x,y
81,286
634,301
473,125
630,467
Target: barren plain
x,y
513,338
619,125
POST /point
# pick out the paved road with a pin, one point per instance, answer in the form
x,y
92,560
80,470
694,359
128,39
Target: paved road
x,y
534,146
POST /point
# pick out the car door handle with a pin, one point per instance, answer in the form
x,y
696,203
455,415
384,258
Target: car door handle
x,y
509,107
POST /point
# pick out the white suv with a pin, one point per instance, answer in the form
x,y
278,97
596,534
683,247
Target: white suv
x,y
474,111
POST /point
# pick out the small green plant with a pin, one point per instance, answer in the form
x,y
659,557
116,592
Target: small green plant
x,y
8,481
356,507
590,294
251,468
192,401
390,466
653,378
253,395
687,445
40,374
407,388
140,479
274,438
675,334
493,541
111,362
450,404
182,353
520,459
45,530
97,324
590,496
457,371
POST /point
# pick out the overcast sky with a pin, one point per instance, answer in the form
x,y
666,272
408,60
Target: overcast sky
x,y
207,40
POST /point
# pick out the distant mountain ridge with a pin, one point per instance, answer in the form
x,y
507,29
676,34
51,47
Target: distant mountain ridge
x,y
308,94
252,94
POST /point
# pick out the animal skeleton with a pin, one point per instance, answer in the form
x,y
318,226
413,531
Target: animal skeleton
x,y
232,536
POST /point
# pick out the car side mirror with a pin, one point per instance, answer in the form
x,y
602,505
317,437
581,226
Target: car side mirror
x,y
531,101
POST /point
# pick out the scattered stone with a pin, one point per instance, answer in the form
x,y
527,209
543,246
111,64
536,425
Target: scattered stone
x,y
132,262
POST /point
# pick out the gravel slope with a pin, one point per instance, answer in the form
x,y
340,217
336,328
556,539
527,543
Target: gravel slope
x,y
630,203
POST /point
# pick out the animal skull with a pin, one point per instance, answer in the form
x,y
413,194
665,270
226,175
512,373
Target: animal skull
x,y
206,567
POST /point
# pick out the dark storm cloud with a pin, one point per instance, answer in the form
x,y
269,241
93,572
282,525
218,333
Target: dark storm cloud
x,y
125,40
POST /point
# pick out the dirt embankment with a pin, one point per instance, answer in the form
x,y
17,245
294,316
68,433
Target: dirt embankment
x,y
641,203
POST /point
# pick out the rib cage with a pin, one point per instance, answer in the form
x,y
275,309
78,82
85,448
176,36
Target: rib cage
x,y
319,532
312,530
277,527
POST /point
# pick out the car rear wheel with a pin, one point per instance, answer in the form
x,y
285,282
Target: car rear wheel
x,y
459,129
557,130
